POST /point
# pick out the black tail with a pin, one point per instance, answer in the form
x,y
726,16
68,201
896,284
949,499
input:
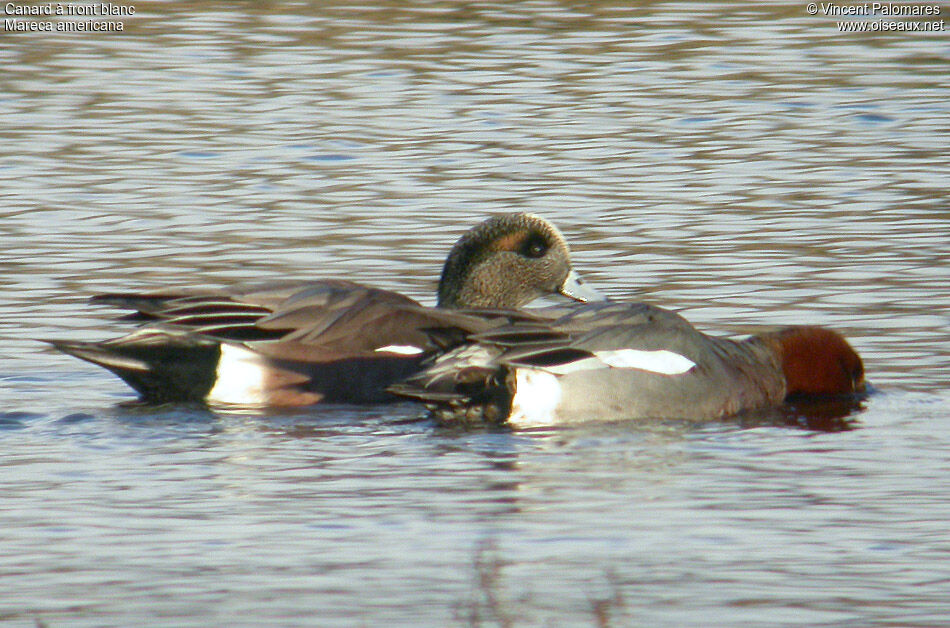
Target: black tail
x,y
181,370
472,396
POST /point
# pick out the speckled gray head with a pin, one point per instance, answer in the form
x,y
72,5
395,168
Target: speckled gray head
x,y
508,261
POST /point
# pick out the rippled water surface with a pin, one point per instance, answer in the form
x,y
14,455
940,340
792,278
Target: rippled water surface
x,y
743,163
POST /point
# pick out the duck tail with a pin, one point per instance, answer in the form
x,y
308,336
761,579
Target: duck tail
x,y
471,396
160,373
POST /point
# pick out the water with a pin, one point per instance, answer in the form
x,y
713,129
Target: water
x,y
743,163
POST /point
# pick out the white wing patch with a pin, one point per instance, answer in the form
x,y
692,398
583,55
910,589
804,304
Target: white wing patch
x,y
660,361
399,349
239,378
537,397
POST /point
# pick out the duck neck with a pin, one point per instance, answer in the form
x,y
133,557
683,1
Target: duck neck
x,y
448,291
459,265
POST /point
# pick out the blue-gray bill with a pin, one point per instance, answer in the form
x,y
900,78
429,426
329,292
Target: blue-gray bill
x,y
575,288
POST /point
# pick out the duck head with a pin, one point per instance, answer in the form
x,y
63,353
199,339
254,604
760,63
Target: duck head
x,y
508,261
816,362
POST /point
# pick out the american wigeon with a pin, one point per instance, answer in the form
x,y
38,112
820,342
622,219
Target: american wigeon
x,y
299,343
608,361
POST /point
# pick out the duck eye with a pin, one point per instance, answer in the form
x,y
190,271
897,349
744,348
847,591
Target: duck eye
x,y
534,248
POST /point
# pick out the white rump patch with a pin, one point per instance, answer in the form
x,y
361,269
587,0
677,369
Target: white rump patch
x,y
660,361
239,378
399,349
537,397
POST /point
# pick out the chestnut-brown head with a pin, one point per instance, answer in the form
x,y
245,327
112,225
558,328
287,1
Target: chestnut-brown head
x,y
507,261
816,361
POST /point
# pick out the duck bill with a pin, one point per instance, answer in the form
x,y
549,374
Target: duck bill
x,y
575,288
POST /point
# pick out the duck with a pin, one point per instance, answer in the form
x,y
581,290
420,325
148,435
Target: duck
x,y
608,360
298,343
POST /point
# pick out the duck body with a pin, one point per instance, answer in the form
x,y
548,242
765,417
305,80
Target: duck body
x,y
285,344
611,361
292,343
